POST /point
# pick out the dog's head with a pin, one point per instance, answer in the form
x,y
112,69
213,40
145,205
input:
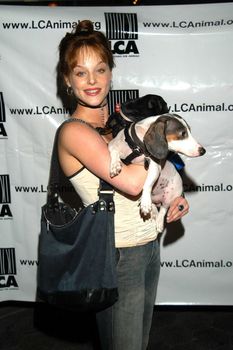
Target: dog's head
x,y
143,107
170,132
136,110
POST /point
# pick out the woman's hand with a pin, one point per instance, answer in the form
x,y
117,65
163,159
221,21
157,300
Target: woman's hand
x,y
178,208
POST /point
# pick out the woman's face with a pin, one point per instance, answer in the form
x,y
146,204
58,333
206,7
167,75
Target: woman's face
x,y
90,78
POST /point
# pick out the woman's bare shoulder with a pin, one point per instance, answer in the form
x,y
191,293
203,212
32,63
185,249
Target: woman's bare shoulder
x,y
75,129
75,124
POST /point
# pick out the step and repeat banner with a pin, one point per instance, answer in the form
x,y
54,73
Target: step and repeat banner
x,y
183,53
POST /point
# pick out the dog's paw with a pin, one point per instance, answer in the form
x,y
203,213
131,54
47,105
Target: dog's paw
x,y
159,224
145,204
160,219
115,164
154,212
115,168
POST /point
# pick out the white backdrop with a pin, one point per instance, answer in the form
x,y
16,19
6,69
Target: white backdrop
x,y
183,53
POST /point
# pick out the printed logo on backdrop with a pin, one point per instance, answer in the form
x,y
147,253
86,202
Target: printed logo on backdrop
x,y
3,134
8,269
119,96
122,31
5,197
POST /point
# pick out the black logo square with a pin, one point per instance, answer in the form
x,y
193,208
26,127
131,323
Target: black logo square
x,y
5,194
7,261
121,26
119,96
2,109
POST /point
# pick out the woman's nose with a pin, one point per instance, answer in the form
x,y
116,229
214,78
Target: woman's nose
x,y
91,79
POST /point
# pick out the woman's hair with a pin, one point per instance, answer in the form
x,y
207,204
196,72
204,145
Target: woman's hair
x,y
83,36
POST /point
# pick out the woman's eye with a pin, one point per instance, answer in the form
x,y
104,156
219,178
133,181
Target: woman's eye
x,y
80,74
101,70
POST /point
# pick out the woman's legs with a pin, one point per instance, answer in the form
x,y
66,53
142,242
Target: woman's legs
x,y
151,283
126,325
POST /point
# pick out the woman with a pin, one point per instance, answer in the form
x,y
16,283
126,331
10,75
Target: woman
x,y
85,66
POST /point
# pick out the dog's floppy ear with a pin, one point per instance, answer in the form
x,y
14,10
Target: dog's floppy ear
x,y
155,139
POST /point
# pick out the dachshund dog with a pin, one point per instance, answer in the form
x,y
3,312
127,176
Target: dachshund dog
x,y
150,141
135,110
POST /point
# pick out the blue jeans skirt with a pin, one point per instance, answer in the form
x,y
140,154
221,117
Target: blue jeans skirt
x,y
126,325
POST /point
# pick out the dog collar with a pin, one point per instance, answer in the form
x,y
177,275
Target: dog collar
x,y
124,116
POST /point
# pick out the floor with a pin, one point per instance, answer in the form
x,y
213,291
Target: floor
x,y
25,326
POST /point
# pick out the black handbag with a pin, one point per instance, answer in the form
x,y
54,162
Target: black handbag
x,y
77,263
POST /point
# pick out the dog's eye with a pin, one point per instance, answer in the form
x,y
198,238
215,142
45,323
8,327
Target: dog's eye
x,y
183,134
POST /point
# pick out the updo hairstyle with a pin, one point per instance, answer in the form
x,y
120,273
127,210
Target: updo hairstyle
x,y
83,36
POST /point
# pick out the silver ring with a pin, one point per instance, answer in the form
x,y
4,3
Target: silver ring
x,y
180,207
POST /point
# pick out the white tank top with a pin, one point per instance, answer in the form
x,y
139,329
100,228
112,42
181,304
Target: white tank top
x,y
130,228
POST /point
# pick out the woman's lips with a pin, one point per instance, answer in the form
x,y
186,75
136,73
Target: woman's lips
x,y
92,92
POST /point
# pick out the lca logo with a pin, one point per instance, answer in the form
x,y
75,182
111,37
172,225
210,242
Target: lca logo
x,y
3,134
5,197
116,97
122,31
8,269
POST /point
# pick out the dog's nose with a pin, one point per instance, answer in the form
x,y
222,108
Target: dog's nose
x,y
201,151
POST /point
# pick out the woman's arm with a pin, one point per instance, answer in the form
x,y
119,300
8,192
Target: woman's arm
x,y
80,145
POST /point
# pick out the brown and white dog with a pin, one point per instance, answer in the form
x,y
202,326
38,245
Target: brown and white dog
x,y
149,141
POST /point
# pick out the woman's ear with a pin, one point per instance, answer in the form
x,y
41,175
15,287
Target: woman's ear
x,y
110,82
66,79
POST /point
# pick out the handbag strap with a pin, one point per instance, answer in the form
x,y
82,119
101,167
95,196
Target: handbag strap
x,y
57,175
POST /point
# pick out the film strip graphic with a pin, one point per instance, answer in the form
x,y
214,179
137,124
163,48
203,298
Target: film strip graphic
x,y
121,26
2,109
7,261
5,194
120,96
